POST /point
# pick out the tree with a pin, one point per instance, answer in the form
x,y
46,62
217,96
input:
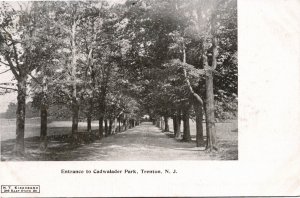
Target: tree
x,y
209,22
171,59
70,19
214,17
21,51
44,77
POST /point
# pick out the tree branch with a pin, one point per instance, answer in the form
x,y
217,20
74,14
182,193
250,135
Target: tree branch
x,y
8,88
198,98
5,71
14,46
35,79
4,63
191,88
12,67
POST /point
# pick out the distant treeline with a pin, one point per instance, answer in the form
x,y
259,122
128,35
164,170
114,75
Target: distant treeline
x,y
58,112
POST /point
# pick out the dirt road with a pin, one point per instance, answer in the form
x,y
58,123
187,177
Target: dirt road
x,y
144,142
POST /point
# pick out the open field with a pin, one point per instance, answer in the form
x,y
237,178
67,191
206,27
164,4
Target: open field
x,y
32,128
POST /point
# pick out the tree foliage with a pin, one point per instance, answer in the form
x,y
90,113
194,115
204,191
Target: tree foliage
x,y
95,60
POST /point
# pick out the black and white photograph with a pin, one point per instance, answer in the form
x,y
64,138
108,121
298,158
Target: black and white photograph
x,y
132,80
150,98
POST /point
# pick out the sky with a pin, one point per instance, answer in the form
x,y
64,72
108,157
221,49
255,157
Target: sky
x,y
7,98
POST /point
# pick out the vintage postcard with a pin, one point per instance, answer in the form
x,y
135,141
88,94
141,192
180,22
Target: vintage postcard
x,y
119,98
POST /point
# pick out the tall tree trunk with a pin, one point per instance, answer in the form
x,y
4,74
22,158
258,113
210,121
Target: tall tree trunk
x,y
106,127
211,129
162,123
89,123
101,132
206,124
44,113
43,135
198,103
19,148
119,124
186,125
174,118
166,124
75,115
176,125
130,124
90,111
158,122
115,126
102,112
75,105
110,126
199,125
125,124
178,132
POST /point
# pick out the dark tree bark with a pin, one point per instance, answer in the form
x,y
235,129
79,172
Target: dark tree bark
x,y
199,125
125,124
75,115
106,127
166,119
102,112
44,113
110,126
175,124
90,113
19,148
89,123
43,136
186,125
206,124
178,132
101,129
130,124
119,120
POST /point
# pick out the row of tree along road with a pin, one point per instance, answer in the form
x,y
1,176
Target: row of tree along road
x,y
172,58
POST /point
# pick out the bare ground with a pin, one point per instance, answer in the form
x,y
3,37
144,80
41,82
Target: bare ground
x,y
144,142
